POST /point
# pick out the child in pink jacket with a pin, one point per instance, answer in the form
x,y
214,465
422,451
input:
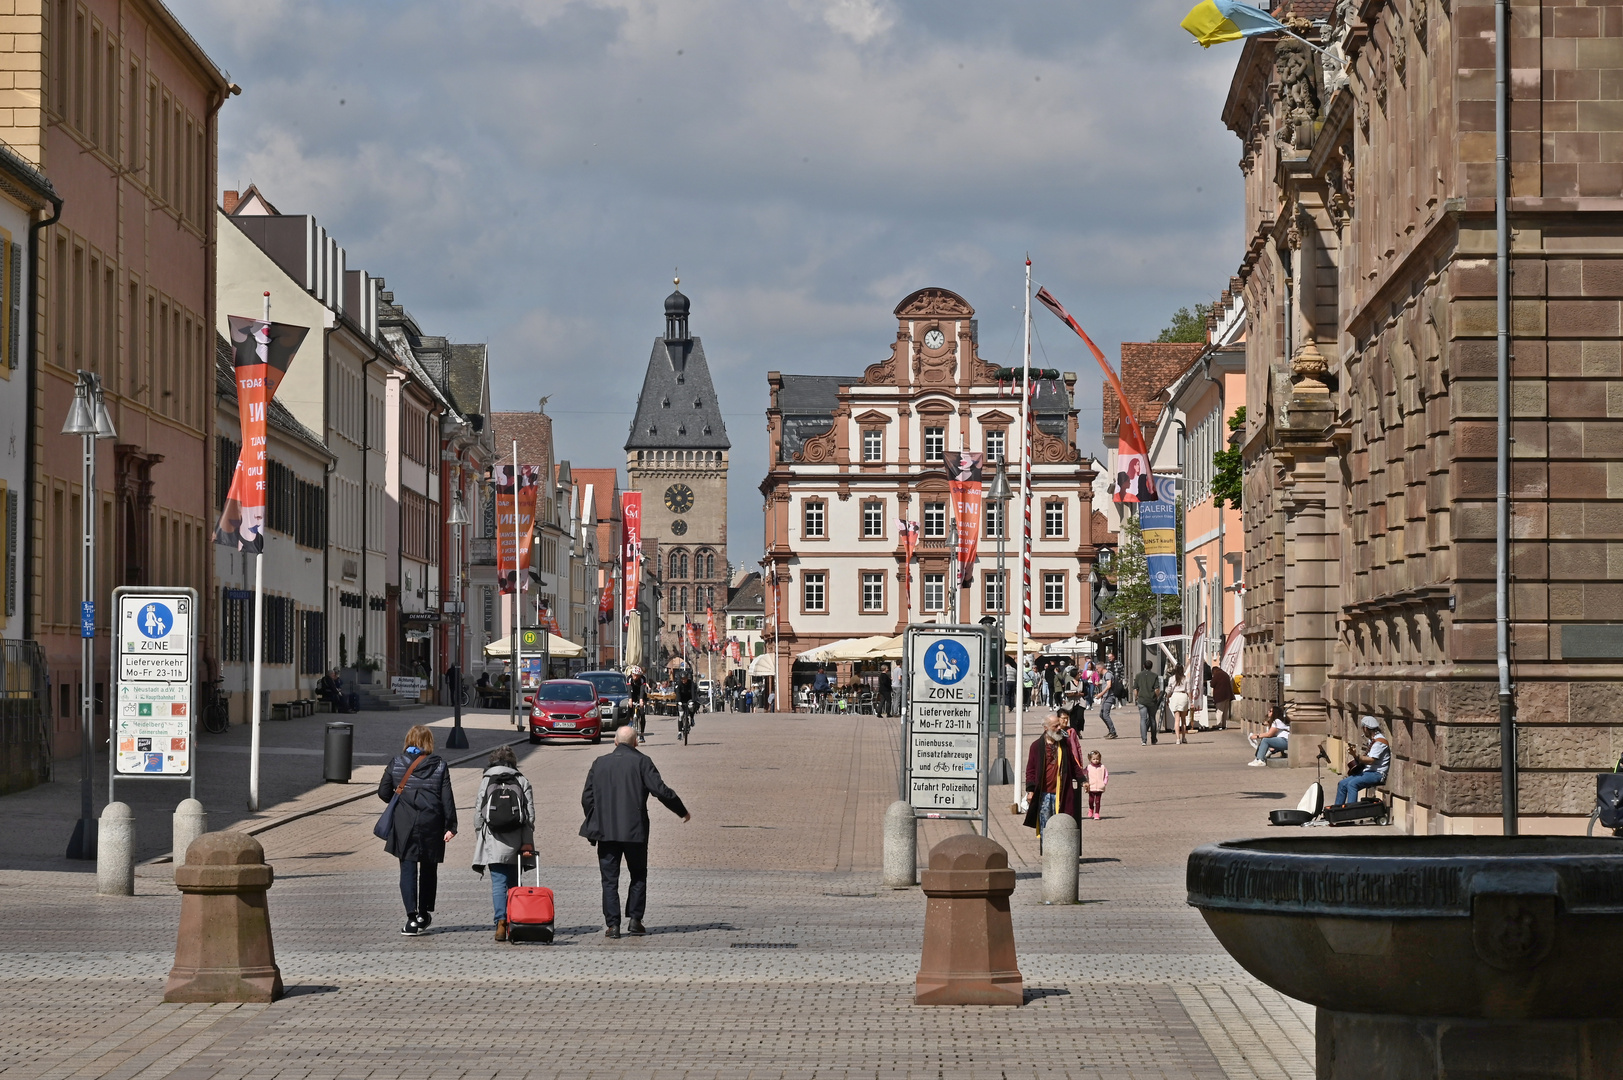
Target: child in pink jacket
x,y
1097,777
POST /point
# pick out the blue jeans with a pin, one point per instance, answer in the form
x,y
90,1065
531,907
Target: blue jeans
x,y
503,876
1045,810
1146,725
1348,788
1278,742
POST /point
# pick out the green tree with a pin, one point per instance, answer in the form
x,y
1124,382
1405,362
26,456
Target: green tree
x,y
1227,478
1187,326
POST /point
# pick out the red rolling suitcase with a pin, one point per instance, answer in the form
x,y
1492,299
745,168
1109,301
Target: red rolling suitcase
x,y
529,908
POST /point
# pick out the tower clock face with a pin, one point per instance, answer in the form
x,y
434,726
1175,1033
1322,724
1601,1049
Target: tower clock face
x,y
679,527
679,498
934,339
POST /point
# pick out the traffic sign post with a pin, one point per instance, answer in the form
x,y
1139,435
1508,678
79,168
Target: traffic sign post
x,y
951,693
154,686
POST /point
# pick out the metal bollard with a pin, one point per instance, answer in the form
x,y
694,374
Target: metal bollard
x,y
191,821
901,846
340,756
115,851
1062,846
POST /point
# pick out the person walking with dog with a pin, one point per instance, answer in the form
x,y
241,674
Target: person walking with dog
x,y
504,826
615,801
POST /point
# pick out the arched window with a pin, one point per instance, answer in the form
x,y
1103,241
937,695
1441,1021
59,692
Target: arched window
x,y
676,564
684,563
682,599
710,565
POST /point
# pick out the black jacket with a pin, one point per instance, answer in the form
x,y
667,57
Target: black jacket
x,y
687,690
426,811
615,798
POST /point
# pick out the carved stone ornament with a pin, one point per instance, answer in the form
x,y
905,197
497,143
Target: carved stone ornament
x,y
1363,116
934,303
1308,369
1050,450
884,372
819,449
935,368
1298,97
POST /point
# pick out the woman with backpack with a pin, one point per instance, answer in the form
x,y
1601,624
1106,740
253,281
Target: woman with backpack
x,y
422,823
504,823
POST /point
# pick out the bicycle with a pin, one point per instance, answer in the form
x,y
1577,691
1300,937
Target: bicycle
x,y
684,721
217,709
639,717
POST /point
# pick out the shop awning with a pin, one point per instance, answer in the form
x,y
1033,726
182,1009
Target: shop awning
x,y
502,648
764,665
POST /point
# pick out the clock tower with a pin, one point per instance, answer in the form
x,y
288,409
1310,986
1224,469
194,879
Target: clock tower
x,y
676,455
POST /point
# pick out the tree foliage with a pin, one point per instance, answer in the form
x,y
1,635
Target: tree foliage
x,y
1227,477
1187,326
1134,606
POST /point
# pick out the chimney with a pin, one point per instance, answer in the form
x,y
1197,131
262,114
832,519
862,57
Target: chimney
x,y
230,201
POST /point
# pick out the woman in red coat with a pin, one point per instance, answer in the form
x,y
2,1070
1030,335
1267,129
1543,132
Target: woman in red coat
x,y
1051,777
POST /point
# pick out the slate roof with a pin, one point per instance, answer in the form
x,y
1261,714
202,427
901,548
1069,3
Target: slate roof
x,y
1147,368
749,596
465,377
277,416
807,403
677,409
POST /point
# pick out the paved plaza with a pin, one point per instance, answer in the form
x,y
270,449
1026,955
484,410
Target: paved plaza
x,y
774,952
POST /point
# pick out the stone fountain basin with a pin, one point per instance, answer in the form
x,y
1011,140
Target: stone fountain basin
x,y
1462,926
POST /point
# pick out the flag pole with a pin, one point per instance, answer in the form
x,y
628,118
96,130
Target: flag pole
x,y
259,633
1025,533
514,688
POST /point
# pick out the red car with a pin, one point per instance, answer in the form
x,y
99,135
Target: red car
x,y
565,709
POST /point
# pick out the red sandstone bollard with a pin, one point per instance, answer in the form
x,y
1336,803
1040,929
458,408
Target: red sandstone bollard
x,y
968,933
224,952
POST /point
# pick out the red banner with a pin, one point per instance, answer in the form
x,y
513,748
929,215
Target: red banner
x,y
964,478
711,640
261,353
605,607
1134,482
515,524
631,528
693,636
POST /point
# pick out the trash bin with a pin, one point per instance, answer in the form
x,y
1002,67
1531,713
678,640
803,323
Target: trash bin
x,y
340,757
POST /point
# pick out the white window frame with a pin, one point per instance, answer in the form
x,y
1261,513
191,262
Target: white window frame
x,y
929,518
875,528
873,592
810,581
1002,438
935,443
1048,521
995,584
809,508
873,445
1053,578
935,584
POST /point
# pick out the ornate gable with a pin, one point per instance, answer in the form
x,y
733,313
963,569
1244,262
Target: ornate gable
x,y
934,303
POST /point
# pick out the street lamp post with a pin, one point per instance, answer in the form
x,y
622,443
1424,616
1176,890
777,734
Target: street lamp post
x,y
999,495
457,739
87,418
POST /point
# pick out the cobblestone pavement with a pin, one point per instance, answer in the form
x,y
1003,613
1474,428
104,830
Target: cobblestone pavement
x,y
774,953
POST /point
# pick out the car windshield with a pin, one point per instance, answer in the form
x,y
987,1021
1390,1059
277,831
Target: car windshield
x,y
608,682
567,691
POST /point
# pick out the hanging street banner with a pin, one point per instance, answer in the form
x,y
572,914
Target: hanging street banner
x,y
710,638
156,649
1158,518
261,353
964,480
947,719
515,524
631,528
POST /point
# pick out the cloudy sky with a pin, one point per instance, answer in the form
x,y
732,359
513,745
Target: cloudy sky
x,y
529,173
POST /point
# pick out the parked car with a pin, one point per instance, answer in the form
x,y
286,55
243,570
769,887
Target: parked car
x,y
612,696
566,709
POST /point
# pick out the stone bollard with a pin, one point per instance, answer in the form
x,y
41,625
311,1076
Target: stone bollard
x,y
191,821
968,933
115,851
1062,847
223,951
901,846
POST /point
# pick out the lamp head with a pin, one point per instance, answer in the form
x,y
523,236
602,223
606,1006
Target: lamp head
x,y
999,491
459,516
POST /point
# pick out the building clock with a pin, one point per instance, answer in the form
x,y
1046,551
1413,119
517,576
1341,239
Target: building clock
x,y
934,339
679,498
679,527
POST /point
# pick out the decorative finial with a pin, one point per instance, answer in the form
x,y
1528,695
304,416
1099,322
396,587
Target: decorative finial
x,y
676,279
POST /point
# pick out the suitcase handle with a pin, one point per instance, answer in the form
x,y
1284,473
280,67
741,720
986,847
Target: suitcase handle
x,y
537,859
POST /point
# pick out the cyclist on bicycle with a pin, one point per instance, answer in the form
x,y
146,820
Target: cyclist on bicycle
x,y
637,699
687,695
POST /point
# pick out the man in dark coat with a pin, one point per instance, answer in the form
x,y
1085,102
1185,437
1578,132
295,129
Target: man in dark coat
x,y
1051,776
615,800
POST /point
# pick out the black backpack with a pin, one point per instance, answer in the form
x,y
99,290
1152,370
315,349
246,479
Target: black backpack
x,y
504,806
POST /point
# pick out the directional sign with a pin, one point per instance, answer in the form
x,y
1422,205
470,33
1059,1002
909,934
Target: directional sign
x,y
153,716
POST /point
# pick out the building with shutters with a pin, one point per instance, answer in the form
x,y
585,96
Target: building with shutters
x,y
851,456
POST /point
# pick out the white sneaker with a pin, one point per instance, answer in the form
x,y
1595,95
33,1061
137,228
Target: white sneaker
x,y
1255,764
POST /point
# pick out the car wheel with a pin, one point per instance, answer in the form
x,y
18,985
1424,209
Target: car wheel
x,y
535,740
597,737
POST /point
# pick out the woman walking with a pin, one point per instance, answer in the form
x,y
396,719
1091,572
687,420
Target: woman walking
x,y
1178,703
424,822
504,828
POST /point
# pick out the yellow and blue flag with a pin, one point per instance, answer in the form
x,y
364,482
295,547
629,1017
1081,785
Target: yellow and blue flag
x,y
1214,21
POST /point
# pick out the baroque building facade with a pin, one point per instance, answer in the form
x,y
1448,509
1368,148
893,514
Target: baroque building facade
x,y
677,455
1369,282
852,456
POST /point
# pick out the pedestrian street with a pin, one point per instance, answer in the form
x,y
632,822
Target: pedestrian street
x,y
773,949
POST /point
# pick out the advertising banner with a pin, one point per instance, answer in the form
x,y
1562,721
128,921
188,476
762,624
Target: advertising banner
x,y
1159,520
261,353
515,524
631,524
964,478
